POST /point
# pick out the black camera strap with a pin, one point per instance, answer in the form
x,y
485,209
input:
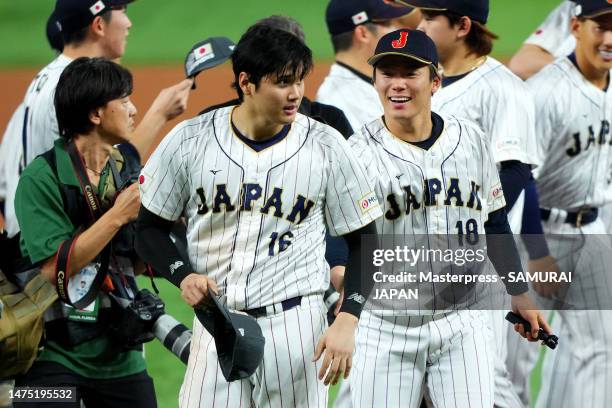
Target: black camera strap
x,y
62,261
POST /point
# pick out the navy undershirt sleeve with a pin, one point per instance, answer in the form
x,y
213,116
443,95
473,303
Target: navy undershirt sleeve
x,y
502,250
336,251
532,233
514,177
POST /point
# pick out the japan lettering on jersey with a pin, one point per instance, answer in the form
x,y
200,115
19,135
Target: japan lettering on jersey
x,y
449,189
573,126
352,93
554,35
256,220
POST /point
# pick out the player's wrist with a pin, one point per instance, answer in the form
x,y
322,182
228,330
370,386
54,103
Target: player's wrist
x,y
347,319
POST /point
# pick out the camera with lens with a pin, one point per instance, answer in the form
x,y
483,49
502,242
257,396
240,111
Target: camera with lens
x,y
144,319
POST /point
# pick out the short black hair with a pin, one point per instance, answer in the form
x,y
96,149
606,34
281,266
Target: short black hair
x,y
284,23
264,51
85,85
78,36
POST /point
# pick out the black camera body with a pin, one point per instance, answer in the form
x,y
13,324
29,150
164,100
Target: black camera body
x,y
135,323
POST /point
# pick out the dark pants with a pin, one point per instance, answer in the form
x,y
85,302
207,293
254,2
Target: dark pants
x,y
134,391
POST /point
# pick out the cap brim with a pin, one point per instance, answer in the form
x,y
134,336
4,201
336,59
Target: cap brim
x,y
389,12
423,4
598,14
376,58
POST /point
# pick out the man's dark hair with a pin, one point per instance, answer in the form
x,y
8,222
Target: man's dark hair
x,y
265,51
479,40
284,23
84,86
78,36
344,41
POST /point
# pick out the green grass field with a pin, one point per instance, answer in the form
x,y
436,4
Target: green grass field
x,y
163,30
167,370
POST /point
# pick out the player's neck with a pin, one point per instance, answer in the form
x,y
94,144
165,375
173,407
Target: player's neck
x,y
252,124
460,61
85,49
95,151
415,129
358,62
598,78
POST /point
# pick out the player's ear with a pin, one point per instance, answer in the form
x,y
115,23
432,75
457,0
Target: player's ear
x,y
575,26
361,34
463,27
95,116
245,84
436,82
97,26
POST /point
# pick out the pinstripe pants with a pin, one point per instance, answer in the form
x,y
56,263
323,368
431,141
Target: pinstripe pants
x,y
397,356
287,377
579,372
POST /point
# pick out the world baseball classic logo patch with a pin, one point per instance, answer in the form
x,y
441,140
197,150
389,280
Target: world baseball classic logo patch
x,y
368,202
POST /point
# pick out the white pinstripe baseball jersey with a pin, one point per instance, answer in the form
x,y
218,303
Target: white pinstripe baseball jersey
x,y
448,189
429,191
573,126
256,220
454,184
499,102
31,131
356,97
554,35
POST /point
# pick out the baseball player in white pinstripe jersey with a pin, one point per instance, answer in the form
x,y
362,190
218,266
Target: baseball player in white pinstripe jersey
x,y
355,27
573,115
477,87
258,183
430,171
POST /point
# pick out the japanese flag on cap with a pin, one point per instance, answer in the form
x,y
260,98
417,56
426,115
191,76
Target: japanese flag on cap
x,y
97,7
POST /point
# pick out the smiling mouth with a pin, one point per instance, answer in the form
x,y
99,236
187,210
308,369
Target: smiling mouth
x,y
607,55
399,99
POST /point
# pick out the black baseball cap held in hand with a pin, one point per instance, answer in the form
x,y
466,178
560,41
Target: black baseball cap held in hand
x,y
477,10
343,16
238,338
592,8
72,15
412,44
207,54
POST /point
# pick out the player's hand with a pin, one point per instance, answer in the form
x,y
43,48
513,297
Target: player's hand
x,y
127,204
524,306
194,288
172,102
546,264
338,343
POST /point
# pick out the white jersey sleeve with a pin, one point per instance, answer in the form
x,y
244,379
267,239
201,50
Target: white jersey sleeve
x,y
493,192
510,121
351,201
163,179
554,35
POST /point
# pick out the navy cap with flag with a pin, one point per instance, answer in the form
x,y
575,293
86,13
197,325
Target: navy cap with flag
x,y
412,44
72,15
343,16
592,8
207,54
477,10
238,338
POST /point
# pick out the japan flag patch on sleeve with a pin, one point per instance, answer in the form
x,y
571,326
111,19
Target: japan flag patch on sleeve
x,y
144,181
